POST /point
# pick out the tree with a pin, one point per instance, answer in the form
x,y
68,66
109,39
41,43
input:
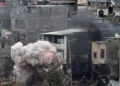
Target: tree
x,y
6,65
56,78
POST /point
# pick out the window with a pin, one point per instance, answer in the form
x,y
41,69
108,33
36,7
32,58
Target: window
x,y
48,38
95,54
102,53
0,22
2,45
58,39
92,3
19,23
22,36
89,3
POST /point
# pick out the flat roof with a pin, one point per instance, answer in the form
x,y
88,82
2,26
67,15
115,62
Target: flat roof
x,y
44,5
99,0
100,41
112,37
66,32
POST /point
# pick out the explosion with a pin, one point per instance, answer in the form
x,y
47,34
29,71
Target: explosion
x,y
34,61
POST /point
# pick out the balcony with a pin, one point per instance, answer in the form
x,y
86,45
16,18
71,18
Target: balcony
x,y
59,46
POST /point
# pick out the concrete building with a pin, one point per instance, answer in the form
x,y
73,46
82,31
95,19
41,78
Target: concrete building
x,y
98,52
31,20
75,46
99,58
105,57
5,20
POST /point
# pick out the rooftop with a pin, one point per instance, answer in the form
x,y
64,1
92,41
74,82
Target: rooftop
x,y
99,0
101,42
112,37
65,32
44,5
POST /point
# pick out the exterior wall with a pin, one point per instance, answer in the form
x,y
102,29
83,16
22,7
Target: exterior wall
x,y
5,18
77,52
113,56
39,19
116,11
112,51
61,47
96,49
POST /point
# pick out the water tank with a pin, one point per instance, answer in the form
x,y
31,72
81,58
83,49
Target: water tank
x,y
110,10
101,13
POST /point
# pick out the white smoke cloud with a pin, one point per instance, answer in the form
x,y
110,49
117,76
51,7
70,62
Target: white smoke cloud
x,y
34,58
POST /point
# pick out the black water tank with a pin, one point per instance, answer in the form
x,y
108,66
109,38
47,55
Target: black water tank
x,y
101,13
110,10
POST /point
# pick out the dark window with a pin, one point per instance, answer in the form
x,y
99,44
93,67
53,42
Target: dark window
x,y
29,9
16,22
0,22
2,45
89,3
110,10
102,53
19,23
48,38
58,39
95,54
0,34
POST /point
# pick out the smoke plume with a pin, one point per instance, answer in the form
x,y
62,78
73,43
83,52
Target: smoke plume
x,y
99,27
33,61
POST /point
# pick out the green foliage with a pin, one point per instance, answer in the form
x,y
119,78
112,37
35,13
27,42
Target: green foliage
x,y
7,64
55,78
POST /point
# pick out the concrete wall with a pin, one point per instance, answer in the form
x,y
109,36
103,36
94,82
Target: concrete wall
x,y
113,56
40,18
5,18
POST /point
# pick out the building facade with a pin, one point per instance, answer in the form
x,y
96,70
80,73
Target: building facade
x,y
74,44
31,20
5,20
105,57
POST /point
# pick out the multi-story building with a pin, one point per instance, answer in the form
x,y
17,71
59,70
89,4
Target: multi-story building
x,y
75,46
105,57
6,41
28,21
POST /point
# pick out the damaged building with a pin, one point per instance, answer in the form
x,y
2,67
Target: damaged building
x,y
75,45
